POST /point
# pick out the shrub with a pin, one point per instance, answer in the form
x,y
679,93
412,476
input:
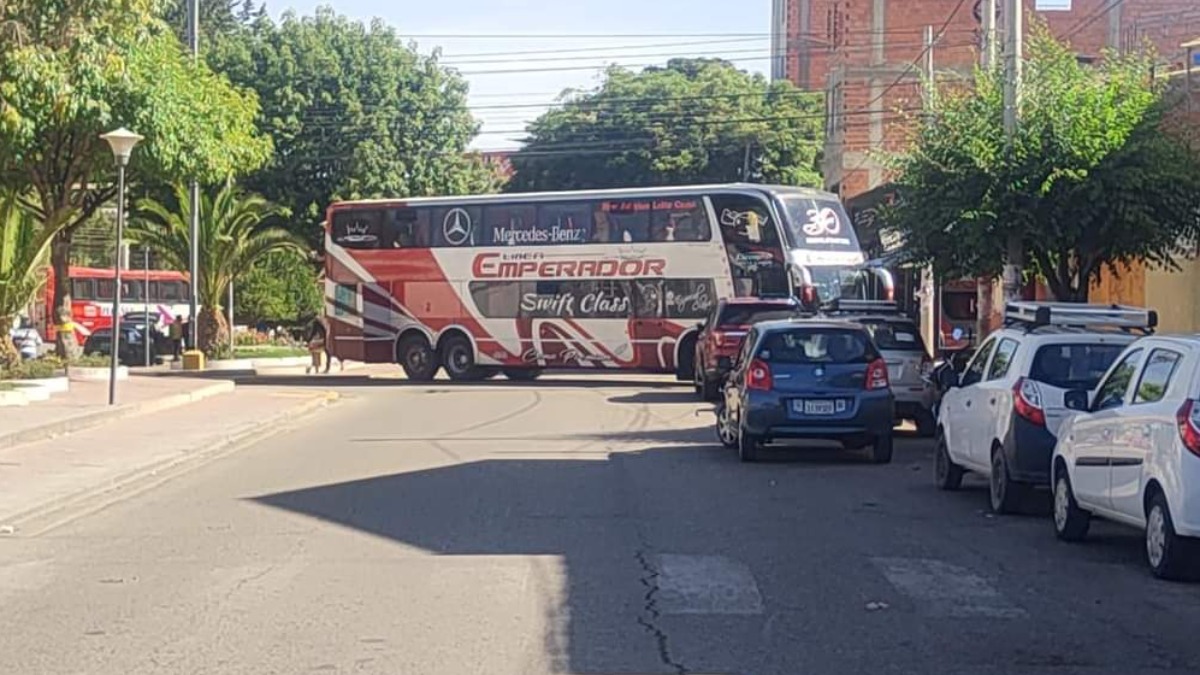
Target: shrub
x,y
34,369
92,361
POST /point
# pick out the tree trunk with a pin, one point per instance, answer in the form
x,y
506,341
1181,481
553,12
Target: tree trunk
x,y
65,343
9,356
213,330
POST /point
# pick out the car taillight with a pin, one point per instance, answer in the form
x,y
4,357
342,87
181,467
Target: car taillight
x,y
758,376
1188,418
718,339
877,375
1027,401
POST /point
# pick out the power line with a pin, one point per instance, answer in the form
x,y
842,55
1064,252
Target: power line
x,y
516,71
599,49
920,56
1091,18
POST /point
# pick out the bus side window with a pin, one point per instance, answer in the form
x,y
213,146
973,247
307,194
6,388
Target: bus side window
x,y
358,228
105,289
83,289
407,228
132,290
751,237
622,221
682,219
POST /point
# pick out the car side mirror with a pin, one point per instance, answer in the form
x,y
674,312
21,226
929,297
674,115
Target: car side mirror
x,y
700,326
725,363
1077,399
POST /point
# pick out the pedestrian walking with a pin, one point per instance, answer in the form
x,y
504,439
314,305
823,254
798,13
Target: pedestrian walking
x,y
316,346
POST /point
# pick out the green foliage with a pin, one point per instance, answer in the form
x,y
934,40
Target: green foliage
x,y
24,245
73,69
217,17
688,122
90,361
1090,179
354,113
33,369
235,232
281,287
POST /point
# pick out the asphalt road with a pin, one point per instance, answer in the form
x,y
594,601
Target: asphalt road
x,y
574,526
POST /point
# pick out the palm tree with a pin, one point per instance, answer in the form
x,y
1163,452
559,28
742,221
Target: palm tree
x,y
234,232
24,246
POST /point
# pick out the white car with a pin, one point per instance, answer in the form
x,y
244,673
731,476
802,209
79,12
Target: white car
x,y
999,418
1133,456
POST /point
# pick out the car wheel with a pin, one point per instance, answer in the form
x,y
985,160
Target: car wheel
x,y
458,359
926,425
881,451
522,374
1006,495
748,445
418,359
726,431
947,474
1070,522
1170,555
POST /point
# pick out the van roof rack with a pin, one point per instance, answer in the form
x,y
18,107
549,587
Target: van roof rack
x,y
847,306
1037,314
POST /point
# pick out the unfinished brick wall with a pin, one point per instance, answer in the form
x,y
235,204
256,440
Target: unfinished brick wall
x,y
859,52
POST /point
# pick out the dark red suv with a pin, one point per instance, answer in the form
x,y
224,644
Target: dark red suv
x,y
721,336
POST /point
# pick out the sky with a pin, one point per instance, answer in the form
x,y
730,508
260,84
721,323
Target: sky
x,y
575,38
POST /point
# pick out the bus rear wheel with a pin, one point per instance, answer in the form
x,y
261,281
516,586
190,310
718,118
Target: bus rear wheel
x,y
458,358
418,359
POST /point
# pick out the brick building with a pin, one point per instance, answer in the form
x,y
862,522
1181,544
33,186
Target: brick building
x,y
865,55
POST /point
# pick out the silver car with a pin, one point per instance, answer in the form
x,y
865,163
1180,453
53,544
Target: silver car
x,y
899,341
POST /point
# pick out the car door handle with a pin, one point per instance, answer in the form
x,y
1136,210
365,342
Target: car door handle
x,y
992,402
968,404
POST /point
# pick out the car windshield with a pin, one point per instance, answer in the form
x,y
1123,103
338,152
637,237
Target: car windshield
x,y
817,345
900,336
1073,366
744,315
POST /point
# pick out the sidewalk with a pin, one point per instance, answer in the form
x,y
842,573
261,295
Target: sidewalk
x,y
41,478
86,405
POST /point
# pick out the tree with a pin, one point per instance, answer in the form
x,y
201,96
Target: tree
x,y
281,287
235,232
693,121
24,244
73,69
353,113
218,18
1090,180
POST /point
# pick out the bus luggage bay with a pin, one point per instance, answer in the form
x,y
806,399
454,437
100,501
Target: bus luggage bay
x,y
606,279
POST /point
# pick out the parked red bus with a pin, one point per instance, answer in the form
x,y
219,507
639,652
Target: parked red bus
x,y
607,279
92,296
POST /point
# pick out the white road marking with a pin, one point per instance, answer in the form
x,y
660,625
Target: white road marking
x,y
695,584
942,589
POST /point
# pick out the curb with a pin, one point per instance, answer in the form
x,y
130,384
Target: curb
x,y
164,470
97,417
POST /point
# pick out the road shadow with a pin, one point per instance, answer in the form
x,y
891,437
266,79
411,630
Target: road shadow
x,y
351,381
569,509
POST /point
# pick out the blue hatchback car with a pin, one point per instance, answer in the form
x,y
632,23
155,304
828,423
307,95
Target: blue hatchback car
x,y
808,379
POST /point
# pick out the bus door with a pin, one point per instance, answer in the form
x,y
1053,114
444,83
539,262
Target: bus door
x,y
753,246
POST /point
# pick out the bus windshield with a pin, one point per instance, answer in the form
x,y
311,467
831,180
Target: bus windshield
x,y
817,224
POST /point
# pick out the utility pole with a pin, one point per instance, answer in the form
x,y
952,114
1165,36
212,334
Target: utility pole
x,y
1013,57
988,52
930,75
194,229
746,164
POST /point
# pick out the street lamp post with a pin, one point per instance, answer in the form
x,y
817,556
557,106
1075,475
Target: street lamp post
x,y
122,142
146,303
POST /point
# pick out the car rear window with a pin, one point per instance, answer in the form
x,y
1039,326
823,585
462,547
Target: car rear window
x,y
899,336
744,315
1073,366
817,345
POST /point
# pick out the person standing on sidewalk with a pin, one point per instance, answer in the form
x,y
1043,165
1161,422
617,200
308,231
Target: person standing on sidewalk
x,y
175,332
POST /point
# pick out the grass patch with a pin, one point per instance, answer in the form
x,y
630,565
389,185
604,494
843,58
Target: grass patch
x,y
35,369
268,352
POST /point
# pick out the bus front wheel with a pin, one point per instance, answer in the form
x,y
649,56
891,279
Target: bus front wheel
x,y
418,359
522,374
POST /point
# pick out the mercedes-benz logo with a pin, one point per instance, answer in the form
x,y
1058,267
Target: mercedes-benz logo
x,y
456,227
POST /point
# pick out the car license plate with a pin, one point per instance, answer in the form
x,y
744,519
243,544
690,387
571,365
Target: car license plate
x,y
809,407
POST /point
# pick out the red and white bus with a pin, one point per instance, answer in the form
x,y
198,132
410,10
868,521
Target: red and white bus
x,y
92,296
607,279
